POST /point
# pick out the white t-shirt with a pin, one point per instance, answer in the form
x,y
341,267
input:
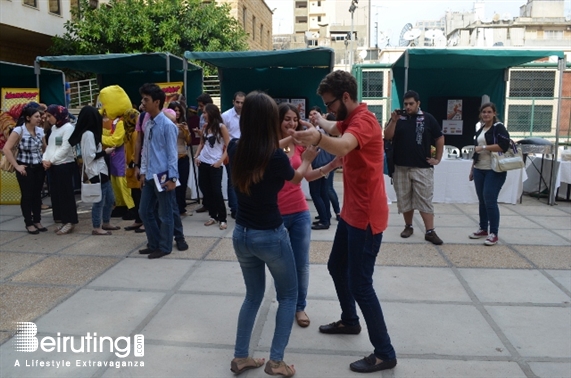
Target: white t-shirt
x,y
212,150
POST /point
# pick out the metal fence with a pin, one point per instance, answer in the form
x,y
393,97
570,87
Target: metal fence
x,y
83,92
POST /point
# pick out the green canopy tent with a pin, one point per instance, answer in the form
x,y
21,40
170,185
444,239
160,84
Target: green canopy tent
x,y
281,74
130,71
455,72
51,83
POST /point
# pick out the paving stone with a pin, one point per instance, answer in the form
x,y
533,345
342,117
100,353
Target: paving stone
x,y
44,242
209,319
319,251
65,270
537,237
525,286
562,276
481,256
174,361
8,236
81,313
541,332
95,245
197,248
142,274
545,257
26,303
224,250
551,369
420,284
392,235
530,208
441,368
515,221
553,223
11,210
4,336
564,233
218,277
409,254
441,208
453,220
13,262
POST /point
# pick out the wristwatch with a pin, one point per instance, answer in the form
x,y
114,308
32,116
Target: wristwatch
x,y
173,179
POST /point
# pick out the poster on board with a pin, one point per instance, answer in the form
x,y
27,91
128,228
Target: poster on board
x,y
16,96
454,111
171,90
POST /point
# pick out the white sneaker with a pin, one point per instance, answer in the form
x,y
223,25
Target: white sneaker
x,y
492,239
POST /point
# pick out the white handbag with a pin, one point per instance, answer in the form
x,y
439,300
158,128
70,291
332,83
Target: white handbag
x,y
506,161
90,193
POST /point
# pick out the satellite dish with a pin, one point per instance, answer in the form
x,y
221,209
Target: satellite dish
x,y
496,17
412,34
402,41
363,54
438,34
498,44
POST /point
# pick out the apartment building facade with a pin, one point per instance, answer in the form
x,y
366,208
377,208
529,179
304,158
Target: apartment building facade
x,y
256,18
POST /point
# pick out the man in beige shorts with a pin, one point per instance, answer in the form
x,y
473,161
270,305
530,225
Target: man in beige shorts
x,y
413,132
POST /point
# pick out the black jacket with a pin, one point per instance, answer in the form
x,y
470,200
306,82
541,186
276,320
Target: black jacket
x,y
497,134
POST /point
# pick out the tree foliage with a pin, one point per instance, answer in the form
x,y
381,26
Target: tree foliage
x,y
137,26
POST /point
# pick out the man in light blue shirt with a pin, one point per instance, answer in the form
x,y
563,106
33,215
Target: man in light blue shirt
x,y
159,158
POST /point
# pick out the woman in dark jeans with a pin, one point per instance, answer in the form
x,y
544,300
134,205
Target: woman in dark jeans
x,y
491,137
59,159
29,170
259,170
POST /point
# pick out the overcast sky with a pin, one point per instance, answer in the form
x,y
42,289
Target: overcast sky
x,y
392,15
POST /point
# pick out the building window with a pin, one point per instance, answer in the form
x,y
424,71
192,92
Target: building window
x,y
318,18
553,34
32,3
519,117
254,28
372,84
262,34
55,7
244,14
378,110
531,83
319,3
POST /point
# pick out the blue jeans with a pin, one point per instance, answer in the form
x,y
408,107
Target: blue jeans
x,y
488,185
103,208
255,249
320,197
232,200
299,230
351,265
332,193
158,237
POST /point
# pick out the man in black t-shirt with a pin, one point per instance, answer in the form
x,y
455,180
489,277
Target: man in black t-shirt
x,y
413,132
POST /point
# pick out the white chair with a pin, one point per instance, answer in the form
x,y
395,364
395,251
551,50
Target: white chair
x,y
453,152
468,152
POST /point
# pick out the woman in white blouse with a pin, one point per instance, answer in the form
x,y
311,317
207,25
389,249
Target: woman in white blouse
x,y
59,159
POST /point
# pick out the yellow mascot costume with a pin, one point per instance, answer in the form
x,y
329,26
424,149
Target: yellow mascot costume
x,y
114,103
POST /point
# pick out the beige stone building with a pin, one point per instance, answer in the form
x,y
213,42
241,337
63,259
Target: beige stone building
x,y
256,18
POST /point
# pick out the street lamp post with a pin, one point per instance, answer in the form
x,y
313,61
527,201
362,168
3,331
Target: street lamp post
x,y
352,9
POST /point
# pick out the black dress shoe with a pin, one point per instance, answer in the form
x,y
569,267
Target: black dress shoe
x,y
146,251
158,254
139,230
320,226
201,209
369,365
338,328
181,245
34,231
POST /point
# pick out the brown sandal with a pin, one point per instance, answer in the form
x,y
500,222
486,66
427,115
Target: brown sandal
x,y
302,321
246,363
279,368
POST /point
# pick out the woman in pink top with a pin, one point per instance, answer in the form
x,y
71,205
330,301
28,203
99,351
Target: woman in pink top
x,y
293,206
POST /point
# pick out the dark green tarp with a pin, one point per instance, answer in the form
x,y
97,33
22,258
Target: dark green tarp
x,y
52,82
459,72
130,71
281,74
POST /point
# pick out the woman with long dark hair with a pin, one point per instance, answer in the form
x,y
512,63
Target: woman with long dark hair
x,y
259,170
87,133
209,158
182,143
29,170
293,206
491,137
59,159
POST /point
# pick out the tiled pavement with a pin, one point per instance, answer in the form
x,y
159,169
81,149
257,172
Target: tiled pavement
x,y
456,310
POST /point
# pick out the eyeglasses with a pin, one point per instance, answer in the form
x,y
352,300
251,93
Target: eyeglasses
x,y
328,104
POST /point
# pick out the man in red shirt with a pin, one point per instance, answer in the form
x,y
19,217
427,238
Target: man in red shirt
x,y
364,216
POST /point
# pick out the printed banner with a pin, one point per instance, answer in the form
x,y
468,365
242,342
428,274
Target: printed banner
x,y
452,127
454,110
171,90
17,96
